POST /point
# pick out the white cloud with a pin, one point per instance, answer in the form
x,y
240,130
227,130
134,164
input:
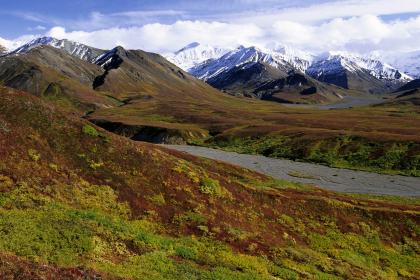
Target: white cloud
x,y
359,34
353,25
15,43
331,10
162,37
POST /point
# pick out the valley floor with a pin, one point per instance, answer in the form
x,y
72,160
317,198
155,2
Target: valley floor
x,y
346,103
341,180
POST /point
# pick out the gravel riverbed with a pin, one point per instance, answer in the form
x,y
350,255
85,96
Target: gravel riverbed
x,y
340,180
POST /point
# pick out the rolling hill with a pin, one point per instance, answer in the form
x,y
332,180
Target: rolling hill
x,y
55,75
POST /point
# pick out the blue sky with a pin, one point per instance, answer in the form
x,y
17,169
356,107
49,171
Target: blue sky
x,y
165,25
29,16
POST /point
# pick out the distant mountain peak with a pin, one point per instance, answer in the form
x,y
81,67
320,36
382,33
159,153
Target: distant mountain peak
x,y
78,50
332,67
194,54
353,62
408,62
243,56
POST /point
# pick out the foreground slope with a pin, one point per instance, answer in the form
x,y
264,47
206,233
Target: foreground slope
x,y
72,195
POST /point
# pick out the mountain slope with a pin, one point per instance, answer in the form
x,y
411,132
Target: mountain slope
x,y
56,75
263,81
113,78
77,199
414,84
409,94
236,58
75,49
271,76
140,73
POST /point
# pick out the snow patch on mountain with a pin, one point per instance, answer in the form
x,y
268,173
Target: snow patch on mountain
x,y
299,59
194,54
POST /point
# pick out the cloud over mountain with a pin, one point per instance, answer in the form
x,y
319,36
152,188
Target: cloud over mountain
x,y
315,25
359,34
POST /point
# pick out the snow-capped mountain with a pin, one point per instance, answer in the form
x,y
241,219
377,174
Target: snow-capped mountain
x,y
194,54
343,69
299,59
76,49
244,56
356,72
407,62
334,62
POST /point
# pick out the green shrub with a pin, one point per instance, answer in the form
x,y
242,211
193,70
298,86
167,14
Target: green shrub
x,y
286,220
190,217
50,235
34,155
90,130
211,187
158,199
284,273
186,253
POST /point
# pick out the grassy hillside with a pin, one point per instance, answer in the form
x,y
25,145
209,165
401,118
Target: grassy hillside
x,y
77,201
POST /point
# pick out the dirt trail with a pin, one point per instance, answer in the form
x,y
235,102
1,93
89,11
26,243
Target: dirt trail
x,y
340,180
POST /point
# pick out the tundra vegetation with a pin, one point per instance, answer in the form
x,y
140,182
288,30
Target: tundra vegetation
x,y
79,202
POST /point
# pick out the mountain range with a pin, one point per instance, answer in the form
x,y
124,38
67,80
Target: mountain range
x,y
283,74
96,78
345,70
